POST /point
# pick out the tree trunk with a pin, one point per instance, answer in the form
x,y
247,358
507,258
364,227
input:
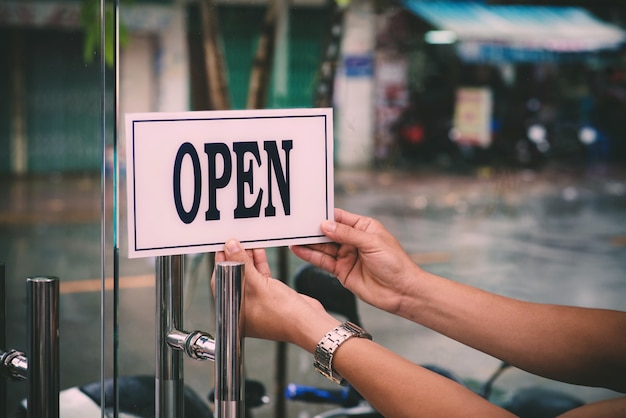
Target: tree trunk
x,y
214,60
262,64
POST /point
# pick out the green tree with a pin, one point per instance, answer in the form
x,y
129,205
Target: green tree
x,y
90,19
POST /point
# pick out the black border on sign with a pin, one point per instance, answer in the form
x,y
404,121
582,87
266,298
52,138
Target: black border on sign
x,y
326,139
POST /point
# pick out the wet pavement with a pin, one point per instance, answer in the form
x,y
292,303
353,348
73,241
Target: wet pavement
x,y
555,235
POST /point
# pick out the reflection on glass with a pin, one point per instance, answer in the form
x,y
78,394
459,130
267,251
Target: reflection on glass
x,y
50,180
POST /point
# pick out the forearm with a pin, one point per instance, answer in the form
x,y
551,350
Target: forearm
x,y
393,385
576,345
610,408
398,388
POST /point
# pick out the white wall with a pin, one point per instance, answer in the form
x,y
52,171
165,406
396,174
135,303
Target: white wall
x,y
154,73
354,93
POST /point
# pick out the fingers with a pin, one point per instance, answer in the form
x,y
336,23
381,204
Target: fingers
x,y
345,217
233,251
260,262
329,249
318,255
254,260
348,229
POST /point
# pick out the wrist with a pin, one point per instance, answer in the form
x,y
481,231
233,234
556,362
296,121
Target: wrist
x,y
310,330
415,295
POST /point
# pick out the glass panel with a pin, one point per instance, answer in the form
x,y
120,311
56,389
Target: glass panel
x,y
51,194
146,70
61,141
526,204
526,213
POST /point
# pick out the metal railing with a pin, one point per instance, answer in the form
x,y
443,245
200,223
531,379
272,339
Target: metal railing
x,y
229,379
226,349
40,368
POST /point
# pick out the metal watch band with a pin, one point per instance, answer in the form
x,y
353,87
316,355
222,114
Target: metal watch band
x,y
325,349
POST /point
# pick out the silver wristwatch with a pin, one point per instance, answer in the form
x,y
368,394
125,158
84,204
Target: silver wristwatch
x,y
327,346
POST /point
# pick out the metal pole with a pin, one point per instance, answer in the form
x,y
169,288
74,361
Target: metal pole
x,y
3,340
229,387
43,343
280,407
169,401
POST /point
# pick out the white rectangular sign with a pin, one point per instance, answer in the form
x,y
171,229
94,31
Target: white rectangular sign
x,y
196,179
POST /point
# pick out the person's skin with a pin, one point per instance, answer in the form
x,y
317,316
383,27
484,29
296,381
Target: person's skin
x,y
393,385
577,345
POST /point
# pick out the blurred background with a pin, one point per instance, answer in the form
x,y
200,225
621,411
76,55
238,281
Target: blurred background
x,y
488,136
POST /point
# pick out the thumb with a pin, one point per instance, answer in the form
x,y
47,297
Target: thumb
x,y
233,251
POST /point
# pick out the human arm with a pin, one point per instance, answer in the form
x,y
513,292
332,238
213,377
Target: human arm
x,y
576,345
393,385
609,408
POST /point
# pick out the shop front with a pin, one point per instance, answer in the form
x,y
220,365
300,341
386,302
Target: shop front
x,y
529,65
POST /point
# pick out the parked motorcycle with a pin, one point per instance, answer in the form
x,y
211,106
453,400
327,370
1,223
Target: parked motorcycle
x,y
533,402
533,147
136,399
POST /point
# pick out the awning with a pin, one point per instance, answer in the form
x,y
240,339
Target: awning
x,y
518,32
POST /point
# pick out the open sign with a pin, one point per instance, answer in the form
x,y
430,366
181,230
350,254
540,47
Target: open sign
x,y
196,179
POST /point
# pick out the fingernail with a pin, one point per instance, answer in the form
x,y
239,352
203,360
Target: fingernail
x,y
329,226
232,246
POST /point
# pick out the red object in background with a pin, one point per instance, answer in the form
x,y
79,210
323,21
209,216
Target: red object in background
x,y
413,134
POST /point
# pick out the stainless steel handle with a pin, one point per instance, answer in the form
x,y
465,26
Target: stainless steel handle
x,y
14,364
3,341
43,342
198,345
169,368
229,380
